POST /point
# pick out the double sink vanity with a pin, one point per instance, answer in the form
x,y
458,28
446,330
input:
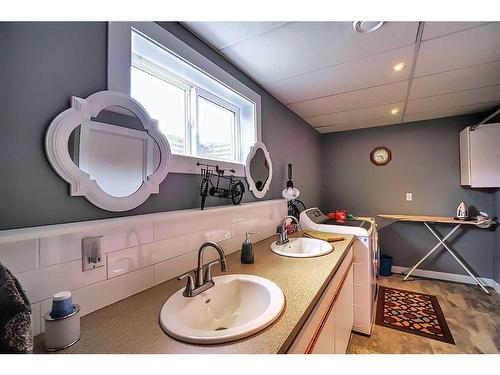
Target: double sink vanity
x,y
295,298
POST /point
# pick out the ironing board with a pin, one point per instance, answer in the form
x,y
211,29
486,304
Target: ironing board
x,y
442,220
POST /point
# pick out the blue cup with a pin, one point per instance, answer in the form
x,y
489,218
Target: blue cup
x,y
62,305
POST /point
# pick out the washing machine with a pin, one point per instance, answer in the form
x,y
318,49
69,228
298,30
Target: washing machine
x,y
365,264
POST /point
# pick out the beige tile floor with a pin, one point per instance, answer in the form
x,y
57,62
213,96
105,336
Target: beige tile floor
x,y
472,315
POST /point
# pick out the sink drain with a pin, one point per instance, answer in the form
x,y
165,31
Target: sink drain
x,y
221,328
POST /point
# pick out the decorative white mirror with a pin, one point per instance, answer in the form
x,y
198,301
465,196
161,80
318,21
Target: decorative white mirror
x,y
259,170
109,150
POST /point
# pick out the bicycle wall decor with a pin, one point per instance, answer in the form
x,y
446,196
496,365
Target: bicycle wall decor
x,y
234,189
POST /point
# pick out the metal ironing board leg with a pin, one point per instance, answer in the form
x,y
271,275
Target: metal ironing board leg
x,y
442,243
456,258
430,252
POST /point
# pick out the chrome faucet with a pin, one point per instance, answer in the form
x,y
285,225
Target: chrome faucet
x,y
281,232
202,279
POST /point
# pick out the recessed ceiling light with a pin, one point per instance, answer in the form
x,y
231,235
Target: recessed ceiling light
x,y
399,66
367,26
394,111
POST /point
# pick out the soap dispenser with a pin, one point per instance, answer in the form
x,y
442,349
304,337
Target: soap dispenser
x,y
247,250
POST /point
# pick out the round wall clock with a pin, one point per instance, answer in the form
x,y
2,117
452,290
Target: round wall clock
x,y
380,155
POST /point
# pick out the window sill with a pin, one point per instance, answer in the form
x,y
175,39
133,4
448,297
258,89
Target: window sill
x,y
187,164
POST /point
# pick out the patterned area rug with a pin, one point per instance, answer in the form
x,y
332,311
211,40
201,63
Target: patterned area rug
x,y
412,312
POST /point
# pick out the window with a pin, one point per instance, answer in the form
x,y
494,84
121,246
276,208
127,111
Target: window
x,y
206,114
154,94
217,130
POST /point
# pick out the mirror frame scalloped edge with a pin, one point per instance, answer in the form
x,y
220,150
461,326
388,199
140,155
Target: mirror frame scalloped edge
x,y
56,148
251,183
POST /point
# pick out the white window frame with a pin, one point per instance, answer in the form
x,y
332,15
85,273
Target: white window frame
x,y
200,93
119,65
163,74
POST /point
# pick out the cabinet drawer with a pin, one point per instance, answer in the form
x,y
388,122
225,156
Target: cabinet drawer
x,y
343,313
303,342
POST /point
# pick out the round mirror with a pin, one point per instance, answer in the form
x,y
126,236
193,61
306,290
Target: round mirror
x,y
258,170
109,150
115,150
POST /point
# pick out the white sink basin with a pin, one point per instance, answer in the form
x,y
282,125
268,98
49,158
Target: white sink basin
x,y
302,248
236,306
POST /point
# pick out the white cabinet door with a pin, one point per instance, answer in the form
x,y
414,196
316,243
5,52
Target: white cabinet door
x,y
343,315
325,343
336,328
317,335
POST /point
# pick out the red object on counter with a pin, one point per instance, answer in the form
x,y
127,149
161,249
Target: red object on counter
x,y
291,228
339,215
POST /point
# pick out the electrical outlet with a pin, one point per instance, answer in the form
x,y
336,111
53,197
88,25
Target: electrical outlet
x,y
409,197
91,253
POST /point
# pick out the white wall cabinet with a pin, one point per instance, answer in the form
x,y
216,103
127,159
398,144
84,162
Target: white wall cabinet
x,y
479,156
327,330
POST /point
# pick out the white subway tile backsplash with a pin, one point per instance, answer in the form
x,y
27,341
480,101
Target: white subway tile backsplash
x,y
265,232
121,238
223,218
248,225
127,260
174,267
35,319
42,283
251,220
278,211
97,296
196,239
183,223
137,255
233,244
20,256
61,249
177,266
261,213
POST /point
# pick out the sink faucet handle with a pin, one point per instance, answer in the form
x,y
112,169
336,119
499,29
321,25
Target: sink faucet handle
x,y
189,285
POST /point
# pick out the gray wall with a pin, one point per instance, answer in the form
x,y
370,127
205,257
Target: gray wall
x,y
426,163
44,64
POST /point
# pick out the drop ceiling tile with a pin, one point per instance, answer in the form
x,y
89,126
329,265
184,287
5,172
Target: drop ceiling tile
x,y
354,75
355,115
361,124
456,99
302,47
223,34
331,76
466,48
450,111
437,29
456,80
374,96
